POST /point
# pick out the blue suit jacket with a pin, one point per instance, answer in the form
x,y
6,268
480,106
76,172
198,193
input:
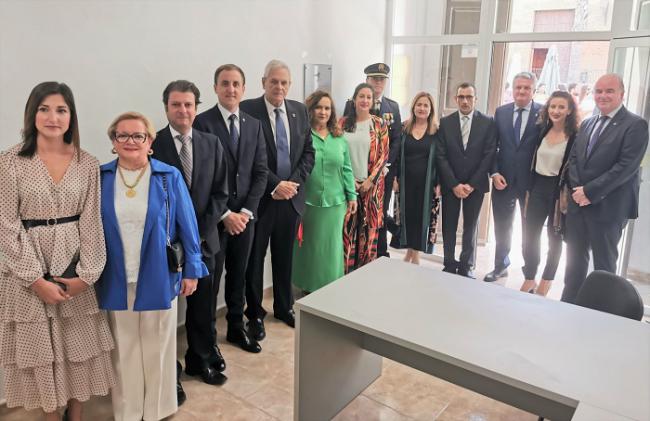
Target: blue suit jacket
x,y
512,161
157,286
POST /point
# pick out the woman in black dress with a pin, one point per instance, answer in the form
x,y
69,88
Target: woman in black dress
x,y
416,210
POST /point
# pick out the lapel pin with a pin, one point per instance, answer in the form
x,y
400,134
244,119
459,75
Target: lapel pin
x,y
243,120
293,115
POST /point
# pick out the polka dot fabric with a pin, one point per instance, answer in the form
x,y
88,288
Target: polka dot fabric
x,y
51,353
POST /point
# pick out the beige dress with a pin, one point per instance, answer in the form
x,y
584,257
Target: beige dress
x,y
51,353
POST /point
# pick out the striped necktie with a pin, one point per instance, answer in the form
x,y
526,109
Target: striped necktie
x,y
186,159
464,130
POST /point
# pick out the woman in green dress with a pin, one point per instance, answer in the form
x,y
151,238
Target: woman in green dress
x,y
318,257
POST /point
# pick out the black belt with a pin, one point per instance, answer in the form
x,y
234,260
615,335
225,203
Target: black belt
x,y
31,223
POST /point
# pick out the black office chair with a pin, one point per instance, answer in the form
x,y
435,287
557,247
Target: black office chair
x,y
612,294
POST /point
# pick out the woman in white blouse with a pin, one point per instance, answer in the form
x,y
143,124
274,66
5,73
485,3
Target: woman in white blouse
x,y
559,122
145,206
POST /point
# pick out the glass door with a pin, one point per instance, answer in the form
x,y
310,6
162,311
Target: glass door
x,y
630,58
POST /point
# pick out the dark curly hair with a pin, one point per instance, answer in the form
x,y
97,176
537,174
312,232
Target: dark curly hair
x,y
312,101
572,120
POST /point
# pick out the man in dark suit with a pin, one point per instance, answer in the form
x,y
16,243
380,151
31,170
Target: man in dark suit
x,y
604,181
517,133
386,108
290,156
200,158
464,156
242,138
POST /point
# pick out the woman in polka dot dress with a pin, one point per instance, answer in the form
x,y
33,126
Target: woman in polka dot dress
x,y
54,342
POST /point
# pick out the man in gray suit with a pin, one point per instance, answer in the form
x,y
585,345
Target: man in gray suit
x,y
604,182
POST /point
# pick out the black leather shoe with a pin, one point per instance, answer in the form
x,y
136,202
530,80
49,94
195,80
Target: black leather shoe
x,y
495,274
288,318
220,363
467,273
449,269
181,397
208,374
256,329
245,341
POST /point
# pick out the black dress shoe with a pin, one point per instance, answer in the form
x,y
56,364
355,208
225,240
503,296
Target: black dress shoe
x,y
495,274
181,397
220,363
449,269
256,329
288,318
467,273
245,341
208,374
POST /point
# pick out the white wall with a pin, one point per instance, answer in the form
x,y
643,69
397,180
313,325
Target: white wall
x,y
119,55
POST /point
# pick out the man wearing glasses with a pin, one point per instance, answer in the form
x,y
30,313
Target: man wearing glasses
x,y
465,153
200,158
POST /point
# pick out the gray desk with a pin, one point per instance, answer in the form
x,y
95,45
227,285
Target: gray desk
x,y
549,358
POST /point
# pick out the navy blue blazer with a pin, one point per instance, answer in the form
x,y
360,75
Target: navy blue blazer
x,y
610,174
301,150
512,161
157,286
247,170
209,190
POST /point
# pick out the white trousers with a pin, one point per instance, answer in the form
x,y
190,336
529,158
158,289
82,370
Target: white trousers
x,y
145,362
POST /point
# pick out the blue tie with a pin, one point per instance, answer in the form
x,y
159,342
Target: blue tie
x,y
596,133
282,143
517,127
234,134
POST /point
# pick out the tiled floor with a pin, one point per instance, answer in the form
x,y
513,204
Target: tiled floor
x,y
260,386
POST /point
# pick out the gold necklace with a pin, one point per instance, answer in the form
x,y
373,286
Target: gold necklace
x,y
130,192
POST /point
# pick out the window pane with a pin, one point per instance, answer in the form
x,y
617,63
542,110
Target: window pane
x,y
573,66
642,15
517,16
437,69
426,17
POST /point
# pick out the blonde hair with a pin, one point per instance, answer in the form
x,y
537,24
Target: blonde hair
x,y
131,115
432,120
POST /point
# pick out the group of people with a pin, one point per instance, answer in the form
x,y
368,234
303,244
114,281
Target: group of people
x,y
94,257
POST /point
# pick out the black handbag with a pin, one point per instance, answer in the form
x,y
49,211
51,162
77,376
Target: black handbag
x,y
175,251
69,272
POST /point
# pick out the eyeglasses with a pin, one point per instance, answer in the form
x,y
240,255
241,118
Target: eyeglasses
x,y
465,97
137,137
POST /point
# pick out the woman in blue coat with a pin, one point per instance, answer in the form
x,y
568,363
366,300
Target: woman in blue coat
x,y
143,199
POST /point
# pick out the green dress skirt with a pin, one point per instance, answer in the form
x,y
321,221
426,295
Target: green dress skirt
x,y
319,260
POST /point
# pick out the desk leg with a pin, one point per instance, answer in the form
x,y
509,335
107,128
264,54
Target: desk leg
x,y
331,367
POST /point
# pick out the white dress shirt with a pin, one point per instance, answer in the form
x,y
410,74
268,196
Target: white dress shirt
x,y
178,143
270,108
469,125
610,115
226,117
